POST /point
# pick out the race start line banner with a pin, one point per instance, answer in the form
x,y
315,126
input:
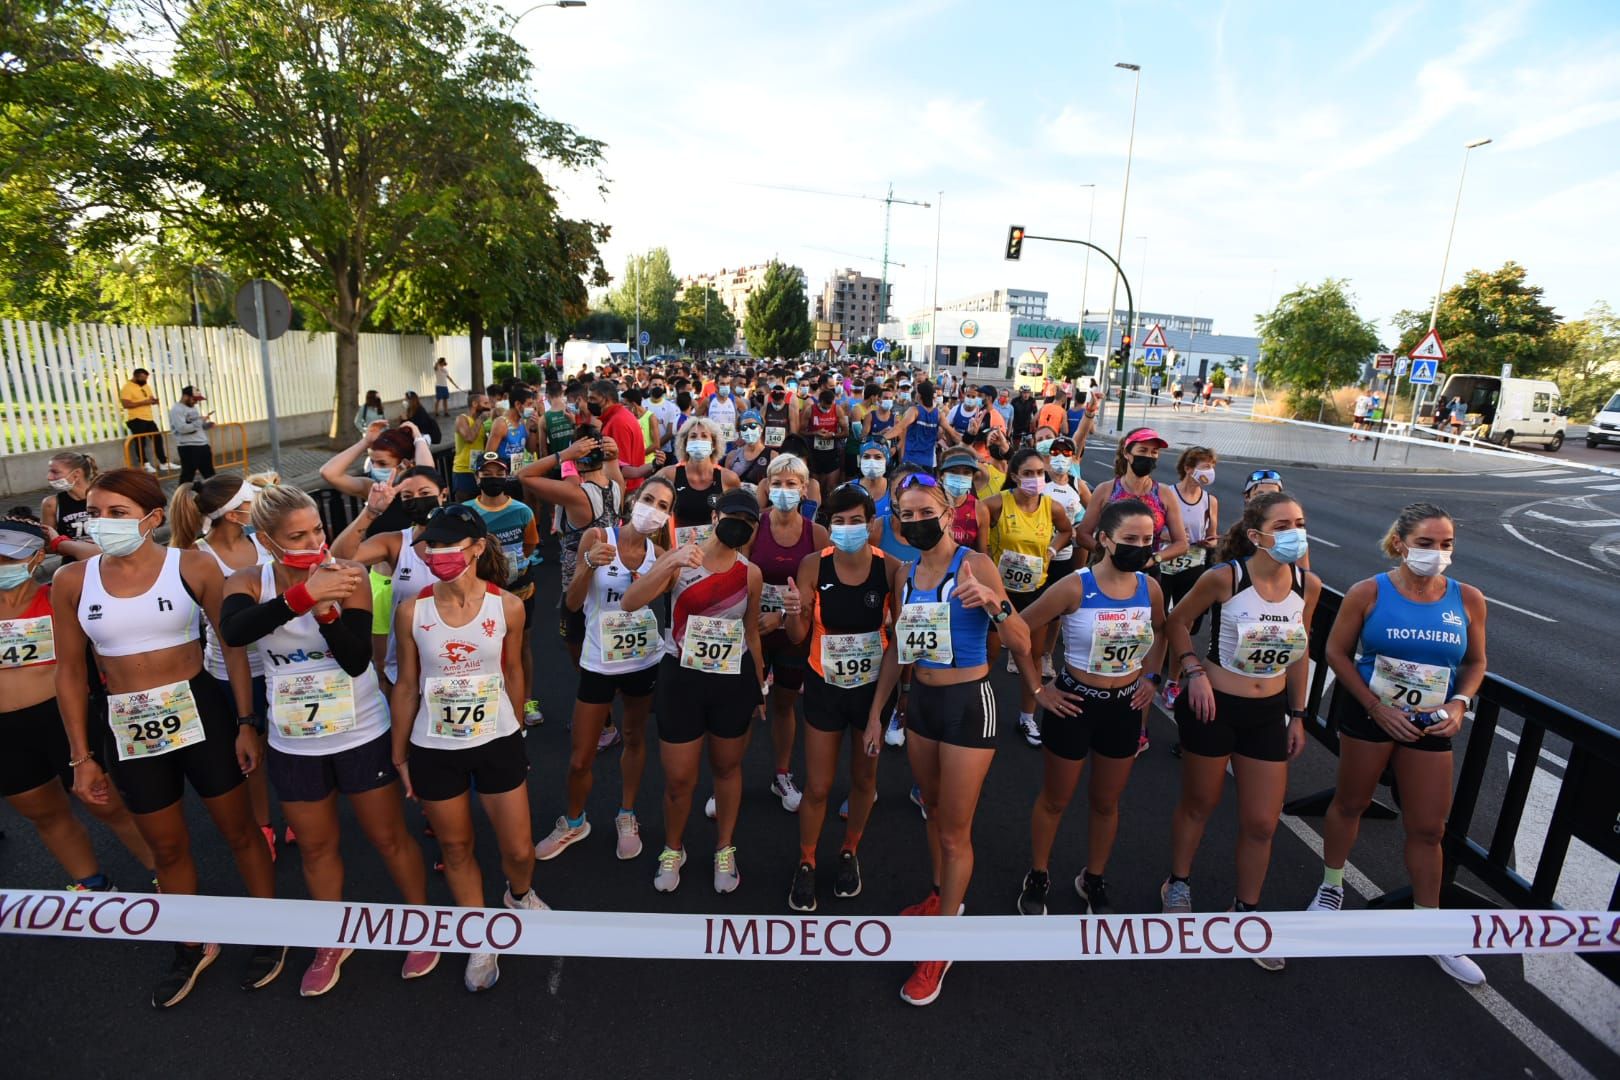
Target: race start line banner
x,y
317,924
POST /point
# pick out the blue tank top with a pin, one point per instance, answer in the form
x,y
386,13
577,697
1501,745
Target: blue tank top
x,y
1075,416
515,441
961,419
921,437
970,627
878,424
1400,629
892,545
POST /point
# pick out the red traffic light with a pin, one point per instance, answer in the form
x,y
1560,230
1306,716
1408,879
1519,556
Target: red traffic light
x,y
1015,242
1125,341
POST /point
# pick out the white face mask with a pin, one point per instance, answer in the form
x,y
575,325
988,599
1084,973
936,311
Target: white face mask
x,y
699,448
1427,562
60,484
872,468
1060,465
647,518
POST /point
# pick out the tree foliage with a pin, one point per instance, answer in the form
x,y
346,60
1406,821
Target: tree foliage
x,y
1068,360
777,321
1494,317
705,321
648,286
602,325
1314,340
1588,370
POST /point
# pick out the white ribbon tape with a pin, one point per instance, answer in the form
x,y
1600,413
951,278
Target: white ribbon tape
x,y
316,924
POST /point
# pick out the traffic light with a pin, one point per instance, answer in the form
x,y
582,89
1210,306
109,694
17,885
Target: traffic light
x,y
1015,242
1122,355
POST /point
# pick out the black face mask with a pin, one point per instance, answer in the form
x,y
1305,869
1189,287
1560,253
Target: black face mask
x,y
1143,466
733,532
493,486
924,534
595,407
419,508
1131,557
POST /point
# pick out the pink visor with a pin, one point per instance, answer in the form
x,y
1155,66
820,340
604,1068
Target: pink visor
x,y
1147,435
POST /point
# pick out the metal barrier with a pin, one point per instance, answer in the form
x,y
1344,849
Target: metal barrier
x,y
133,458
228,443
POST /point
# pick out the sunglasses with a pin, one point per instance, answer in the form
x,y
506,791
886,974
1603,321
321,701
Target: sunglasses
x,y
1263,476
455,512
918,478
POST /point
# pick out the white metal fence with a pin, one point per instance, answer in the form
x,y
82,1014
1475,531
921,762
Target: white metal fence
x,y
59,385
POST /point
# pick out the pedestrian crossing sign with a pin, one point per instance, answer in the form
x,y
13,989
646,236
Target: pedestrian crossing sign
x,y
1153,356
1422,372
1155,340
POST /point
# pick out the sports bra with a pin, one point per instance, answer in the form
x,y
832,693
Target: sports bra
x,y
1257,637
849,609
969,627
695,505
1105,636
602,596
162,617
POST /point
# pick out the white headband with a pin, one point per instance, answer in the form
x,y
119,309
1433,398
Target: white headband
x,y
244,494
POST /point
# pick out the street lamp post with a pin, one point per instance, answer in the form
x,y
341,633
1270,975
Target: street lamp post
x,y
554,3
933,308
1085,278
1434,312
1119,247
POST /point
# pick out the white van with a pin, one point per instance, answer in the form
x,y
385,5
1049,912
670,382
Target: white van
x,y
1508,411
580,355
1605,427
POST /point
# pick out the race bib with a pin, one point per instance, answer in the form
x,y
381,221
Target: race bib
x,y
464,706
26,641
775,436
630,636
851,660
1409,686
1119,642
1192,557
1266,648
692,534
824,442
771,598
1021,573
311,704
923,632
713,645
148,723
728,433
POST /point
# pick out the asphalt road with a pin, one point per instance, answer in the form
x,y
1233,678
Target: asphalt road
x,y
622,1018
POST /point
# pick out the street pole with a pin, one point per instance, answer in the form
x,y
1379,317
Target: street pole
x,y
1141,279
269,384
933,308
1085,283
637,265
1119,250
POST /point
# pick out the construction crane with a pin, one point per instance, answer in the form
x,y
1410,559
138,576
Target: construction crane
x,y
888,202
853,255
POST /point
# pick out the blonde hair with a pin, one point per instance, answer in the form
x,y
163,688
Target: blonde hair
x,y
1411,516
268,478
73,459
695,427
792,463
272,505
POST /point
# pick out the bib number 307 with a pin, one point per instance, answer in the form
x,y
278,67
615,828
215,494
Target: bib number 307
x,y
713,645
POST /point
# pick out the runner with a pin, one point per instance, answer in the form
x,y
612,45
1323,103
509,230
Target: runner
x,y
472,433
1072,495
970,521
64,511
781,419
389,452
826,423
721,410
918,429
515,433
621,655
711,677
951,598
512,527
843,601
168,723
1408,649
698,481
1200,517
455,714
1245,706
307,619
751,457
1113,635
872,467
34,774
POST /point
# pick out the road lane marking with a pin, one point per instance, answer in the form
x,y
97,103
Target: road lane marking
x,y
1519,536
1518,473
1589,478
1318,540
1520,610
1513,737
1605,487
1599,523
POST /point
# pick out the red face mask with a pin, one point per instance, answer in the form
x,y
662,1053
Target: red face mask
x,y
446,565
304,560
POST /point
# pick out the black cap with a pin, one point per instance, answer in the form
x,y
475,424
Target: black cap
x,y
493,457
452,524
738,502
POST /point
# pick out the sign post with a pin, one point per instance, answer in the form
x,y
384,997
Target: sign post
x,y
1426,356
264,311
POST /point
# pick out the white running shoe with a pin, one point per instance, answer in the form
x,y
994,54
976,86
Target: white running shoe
x,y
1047,671
483,971
784,788
1462,969
148,467
726,875
708,808
531,901
562,834
668,877
1030,729
629,830
895,735
1327,898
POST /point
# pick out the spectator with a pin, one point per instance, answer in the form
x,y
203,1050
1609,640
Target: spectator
x,y
442,382
190,429
370,412
137,400
415,414
1153,389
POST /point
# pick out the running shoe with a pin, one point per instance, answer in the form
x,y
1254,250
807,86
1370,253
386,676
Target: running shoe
x,y
1032,731
148,467
783,788
1012,665
1175,897
1462,969
1047,670
609,736
726,875
269,832
264,964
483,971
843,807
668,877
708,808
925,982
895,734
532,714
323,972
629,830
189,962
1172,690
79,887
418,964
562,834
1032,900
1271,963
848,881
928,906
1141,744
917,801
802,894
1094,895
1327,898
531,900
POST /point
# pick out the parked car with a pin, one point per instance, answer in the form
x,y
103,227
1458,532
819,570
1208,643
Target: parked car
x,y
1605,427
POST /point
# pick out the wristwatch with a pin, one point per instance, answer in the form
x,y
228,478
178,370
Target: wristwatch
x,y
1297,714
257,723
1000,616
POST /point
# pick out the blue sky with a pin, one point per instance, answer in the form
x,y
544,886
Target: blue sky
x,y
1275,143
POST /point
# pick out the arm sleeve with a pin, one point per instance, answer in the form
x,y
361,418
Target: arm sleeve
x,y
242,622
350,639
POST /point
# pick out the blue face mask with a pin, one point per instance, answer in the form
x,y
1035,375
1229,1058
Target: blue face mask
x,y
381,476
848,538
1044,447
785,498
886,404
14,574
1288,546
116,536
957,485
723,391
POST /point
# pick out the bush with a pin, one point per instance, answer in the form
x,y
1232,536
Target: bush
x,y
501,372
531,374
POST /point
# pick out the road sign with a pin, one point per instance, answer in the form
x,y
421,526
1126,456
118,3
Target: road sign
x,y
682,341
645,338
1400,366
1430,348
1153,355
1384,362
880,346
837,345
1038,352
277,310
1422,372
1155,340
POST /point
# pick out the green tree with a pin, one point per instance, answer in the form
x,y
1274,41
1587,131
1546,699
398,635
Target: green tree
x,y
1314,341
1494,317
777,322
1068,360
602,325
1590,366
648,286
704,321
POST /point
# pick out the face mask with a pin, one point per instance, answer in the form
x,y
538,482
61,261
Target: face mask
x,y
1427,562
1288,546
872,468
886,403
750,434
957,485
1060,465
699,448
924,534
418,509
303,560
1204,475
60,485
848,538
1044,446
1130,557
381,476
13,575
647,518
528,413
785,498
116,536
905,395
970,404
723,391
595,407
792,384
733,532
446,564
1143,466
493,486
1032,485
657,396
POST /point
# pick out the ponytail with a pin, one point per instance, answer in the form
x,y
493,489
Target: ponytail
x,y
491,565
185,519
73,459
1236,544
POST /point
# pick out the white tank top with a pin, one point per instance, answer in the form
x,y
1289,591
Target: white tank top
x,y
463,702
302,672
723,413
1068,498
1258,638
213,655
162,617
1105,636
1194,515
410,577
634,640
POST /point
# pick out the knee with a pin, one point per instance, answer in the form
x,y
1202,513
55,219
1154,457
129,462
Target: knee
x,y
1425,833
634,735
1051,805
725,773
1195,809
392,842
580,762
315,849
677,788
1103,807
1350,804
817,789
172,851
1256,829
456,853
955,843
